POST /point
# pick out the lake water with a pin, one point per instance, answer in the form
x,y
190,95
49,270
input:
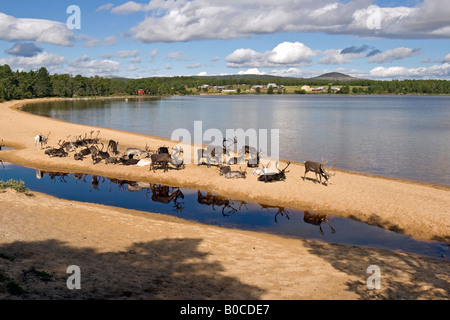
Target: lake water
x,y
396,136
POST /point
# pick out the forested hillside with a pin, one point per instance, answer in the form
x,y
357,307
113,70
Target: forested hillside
x,y
38,84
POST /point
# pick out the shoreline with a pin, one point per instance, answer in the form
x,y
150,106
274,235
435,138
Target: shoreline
x,y
368,198
127,254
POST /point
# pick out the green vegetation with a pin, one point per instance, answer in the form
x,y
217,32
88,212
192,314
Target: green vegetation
x,y
39,84
19,186
42,275
6,257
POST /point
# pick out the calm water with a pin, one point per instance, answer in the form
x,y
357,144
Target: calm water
x,y
397,136
230,214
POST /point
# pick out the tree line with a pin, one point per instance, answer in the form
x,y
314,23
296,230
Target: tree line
x,y
40,84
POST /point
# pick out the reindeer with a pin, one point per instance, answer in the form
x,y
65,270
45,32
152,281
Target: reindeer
x,y
92,140
253,161
103,154
40,141
161,159
131,152
94,152
271,177
177,160
223,170
112,146
236,174
69,146
319,169
56,152
214,152
317,220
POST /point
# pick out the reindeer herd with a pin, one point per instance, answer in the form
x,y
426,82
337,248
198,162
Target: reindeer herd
x,y
93,148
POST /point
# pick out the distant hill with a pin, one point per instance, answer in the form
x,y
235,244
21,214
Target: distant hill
x,y
331,76
335,76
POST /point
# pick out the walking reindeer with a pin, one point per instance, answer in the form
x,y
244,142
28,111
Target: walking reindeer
x,y
40,141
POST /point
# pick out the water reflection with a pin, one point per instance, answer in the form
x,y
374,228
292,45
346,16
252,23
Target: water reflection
x,y
202,206
229,207
317,220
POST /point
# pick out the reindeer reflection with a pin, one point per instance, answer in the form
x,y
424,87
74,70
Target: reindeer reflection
x,y
281,210
228,207
163,194
61,176
317,220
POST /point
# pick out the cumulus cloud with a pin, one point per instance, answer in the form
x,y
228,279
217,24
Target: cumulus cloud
x,y
85,65
105,7
129,7
177,55
446,58
251,71
394,54
335,56
185,20
432,72
44,59
110,40
195,65
24,50
36,30
128,54
285,53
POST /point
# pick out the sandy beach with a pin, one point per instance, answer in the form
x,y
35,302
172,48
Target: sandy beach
x,y
127,254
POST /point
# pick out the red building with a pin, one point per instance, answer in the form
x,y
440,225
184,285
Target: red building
x,y
140,92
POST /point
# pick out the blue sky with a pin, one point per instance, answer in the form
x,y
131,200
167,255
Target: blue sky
x,y
304,38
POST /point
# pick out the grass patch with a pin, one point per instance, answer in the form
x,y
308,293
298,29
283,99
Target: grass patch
x,y
19,186
43,275
6,257
3,277
14,288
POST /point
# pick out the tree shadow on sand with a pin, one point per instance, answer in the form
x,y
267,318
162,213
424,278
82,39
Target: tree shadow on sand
x,y
161,269
401,276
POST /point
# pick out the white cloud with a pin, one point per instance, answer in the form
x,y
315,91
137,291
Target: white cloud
x,y
292,53
89,42
195,65
177,55
105,7
251,71
128,53
183,20
446,58
37,30
284,54
84,65
44,59
129,7
335,56
432,72
394,54
110,40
